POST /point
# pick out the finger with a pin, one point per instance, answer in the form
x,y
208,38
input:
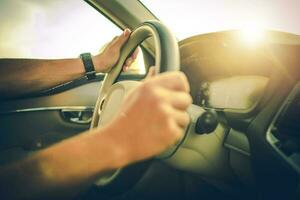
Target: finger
x,y
129,61
181,118
151,72
123,38
178,100
135,53
177,131
125,68
171,80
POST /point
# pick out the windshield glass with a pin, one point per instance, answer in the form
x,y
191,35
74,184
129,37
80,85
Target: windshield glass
x,y
191,17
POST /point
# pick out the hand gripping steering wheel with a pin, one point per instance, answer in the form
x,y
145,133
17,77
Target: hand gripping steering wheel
x,y
111,93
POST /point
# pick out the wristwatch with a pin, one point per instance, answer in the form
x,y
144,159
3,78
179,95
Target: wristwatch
x,y
87,61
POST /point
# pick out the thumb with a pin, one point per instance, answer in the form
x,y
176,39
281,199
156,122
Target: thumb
x,y
151,73
123,38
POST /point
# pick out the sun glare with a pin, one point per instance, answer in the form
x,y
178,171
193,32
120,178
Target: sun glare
x,y
252,34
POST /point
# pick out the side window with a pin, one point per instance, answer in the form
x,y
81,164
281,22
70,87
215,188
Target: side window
x,y
54,29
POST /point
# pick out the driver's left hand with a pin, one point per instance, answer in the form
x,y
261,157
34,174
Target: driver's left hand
x,y
109,57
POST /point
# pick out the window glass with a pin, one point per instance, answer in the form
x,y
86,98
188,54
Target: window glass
x,y
53,29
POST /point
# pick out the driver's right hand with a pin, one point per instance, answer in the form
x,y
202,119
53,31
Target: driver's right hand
x,y
153,117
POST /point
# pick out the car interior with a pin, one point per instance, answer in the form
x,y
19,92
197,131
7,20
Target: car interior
x,y
242,142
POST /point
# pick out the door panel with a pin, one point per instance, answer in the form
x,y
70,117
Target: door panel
x,y
27,125
84,95
31,124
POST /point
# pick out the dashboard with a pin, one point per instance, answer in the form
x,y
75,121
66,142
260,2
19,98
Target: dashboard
x,y
256,93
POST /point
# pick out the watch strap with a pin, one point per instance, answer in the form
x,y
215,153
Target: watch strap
x,y
87,61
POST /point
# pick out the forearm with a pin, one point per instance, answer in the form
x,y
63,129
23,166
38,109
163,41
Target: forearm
x,y
63,168
24,76
21,76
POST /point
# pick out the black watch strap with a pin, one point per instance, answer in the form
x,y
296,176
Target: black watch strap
x,y
87,61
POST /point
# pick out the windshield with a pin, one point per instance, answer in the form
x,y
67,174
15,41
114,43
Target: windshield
x,y
192,17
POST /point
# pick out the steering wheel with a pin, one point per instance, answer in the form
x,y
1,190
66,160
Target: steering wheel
x,y
112,94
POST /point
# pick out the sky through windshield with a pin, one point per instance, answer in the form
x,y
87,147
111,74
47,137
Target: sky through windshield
x,y
190,17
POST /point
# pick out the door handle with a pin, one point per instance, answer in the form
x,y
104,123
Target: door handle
x,y
78,116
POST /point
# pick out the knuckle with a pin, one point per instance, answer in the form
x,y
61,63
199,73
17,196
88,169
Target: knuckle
x,y
183,80
178,135
175,131
129,61
186,118
163,114
166,111
171,125
185,101
151,94
189,99
180,76
180,80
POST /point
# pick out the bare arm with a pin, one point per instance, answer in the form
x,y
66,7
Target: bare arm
x,y
63,169
68,167
23,76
